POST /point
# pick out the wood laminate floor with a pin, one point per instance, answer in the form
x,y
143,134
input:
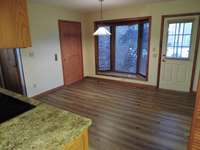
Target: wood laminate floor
x,y
128,118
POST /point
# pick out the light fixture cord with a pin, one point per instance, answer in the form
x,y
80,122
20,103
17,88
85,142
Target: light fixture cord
x,y
101,9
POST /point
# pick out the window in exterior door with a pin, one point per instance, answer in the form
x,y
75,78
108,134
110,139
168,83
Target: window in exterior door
x,y
179,37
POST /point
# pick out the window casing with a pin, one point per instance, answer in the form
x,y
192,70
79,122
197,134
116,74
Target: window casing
x,y
126,51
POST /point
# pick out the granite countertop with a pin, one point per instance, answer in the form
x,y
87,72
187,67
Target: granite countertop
x,y
42,128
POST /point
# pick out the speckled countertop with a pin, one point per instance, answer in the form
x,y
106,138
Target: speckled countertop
x,y
42,128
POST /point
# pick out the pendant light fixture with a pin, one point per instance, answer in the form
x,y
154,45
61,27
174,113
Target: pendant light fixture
x,y
101,30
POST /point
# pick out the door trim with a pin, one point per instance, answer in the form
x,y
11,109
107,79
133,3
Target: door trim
x,y
161,45
20,69
62,58
195,57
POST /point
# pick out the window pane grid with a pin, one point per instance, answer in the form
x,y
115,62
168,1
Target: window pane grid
x,y
179,40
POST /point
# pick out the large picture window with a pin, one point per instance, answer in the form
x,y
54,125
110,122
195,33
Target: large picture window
x,y
125,53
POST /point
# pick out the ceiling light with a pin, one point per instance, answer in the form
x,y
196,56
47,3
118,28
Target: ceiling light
x,y
101,30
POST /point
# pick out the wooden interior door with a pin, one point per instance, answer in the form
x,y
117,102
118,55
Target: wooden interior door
x,y
9,72
71,51
178,53
194,141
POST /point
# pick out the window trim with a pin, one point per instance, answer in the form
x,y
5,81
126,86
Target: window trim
x,y
167,36
125,21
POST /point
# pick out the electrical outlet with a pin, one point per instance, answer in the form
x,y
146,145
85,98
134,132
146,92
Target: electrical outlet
x,y
31,54
34,85
56,57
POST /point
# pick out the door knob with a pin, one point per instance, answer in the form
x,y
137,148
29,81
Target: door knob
x,y
163,59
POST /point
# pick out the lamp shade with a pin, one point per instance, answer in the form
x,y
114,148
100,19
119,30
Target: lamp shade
x,y
101,31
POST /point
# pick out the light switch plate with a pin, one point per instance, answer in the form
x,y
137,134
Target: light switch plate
x,y
35,85
155,55
56,57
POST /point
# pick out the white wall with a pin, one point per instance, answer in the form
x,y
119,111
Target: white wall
x,y
40,68
156,10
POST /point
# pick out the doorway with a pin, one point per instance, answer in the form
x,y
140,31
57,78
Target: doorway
x,y
71,51
11,70
178,50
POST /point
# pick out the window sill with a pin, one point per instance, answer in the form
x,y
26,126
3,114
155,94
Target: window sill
x,y
121,75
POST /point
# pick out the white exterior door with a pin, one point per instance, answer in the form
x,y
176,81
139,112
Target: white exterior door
x,y
178,50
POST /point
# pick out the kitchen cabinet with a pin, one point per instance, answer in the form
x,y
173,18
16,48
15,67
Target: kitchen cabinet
x,y
80,143
14,24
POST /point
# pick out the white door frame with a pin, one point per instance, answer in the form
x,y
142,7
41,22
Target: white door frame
x,y
161,46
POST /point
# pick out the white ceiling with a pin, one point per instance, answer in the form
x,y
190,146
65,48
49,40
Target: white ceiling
x,y
90,5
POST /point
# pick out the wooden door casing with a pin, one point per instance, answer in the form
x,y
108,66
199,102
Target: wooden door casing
x,y
175,74
194,143
9,68
71,51
161,46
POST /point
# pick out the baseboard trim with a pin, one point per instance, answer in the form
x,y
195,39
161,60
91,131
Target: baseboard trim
x,y
47,92
137,85
174,91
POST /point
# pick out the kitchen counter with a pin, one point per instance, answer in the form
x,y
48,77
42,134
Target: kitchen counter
x,y
20,97
42,128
